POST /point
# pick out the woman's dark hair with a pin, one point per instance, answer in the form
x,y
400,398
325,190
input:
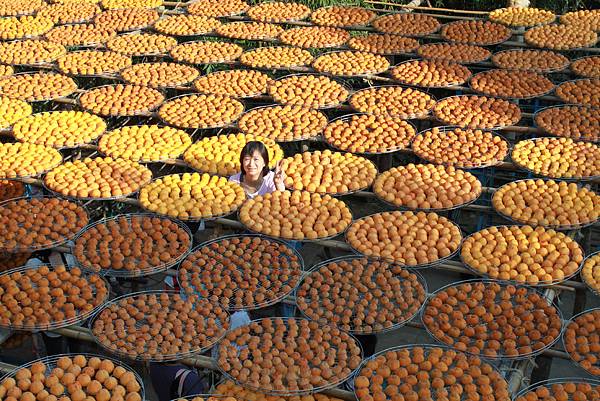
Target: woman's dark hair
x,y
249,150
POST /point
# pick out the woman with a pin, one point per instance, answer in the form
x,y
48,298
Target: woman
x,y
255,177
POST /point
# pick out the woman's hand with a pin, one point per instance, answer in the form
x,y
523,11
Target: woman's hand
x,y
280,176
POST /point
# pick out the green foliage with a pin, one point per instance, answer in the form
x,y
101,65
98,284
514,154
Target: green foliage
x,y
564,6
557,6
314,4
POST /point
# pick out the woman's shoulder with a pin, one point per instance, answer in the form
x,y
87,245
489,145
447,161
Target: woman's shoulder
x,y
236,177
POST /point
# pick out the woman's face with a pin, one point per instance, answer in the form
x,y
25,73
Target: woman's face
x,y
253,165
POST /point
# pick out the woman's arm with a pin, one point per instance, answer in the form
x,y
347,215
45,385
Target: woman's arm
x,y
279,178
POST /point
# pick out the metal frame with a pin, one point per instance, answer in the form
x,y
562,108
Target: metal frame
x,y
348,117
541,174
552,226
407,116
395,262
136,273
566,327
272,106
342,84
285,393
159,357
325,264
494,127
487,282
278,298
486,277
191,219
135,113
53,325
51,361
54,244
451,128
431,61
203,127
364,74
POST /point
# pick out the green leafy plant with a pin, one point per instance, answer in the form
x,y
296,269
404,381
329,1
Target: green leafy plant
x,y
557,6
314,4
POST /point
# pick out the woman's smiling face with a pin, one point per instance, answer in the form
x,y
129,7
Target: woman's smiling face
x,y
253,165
